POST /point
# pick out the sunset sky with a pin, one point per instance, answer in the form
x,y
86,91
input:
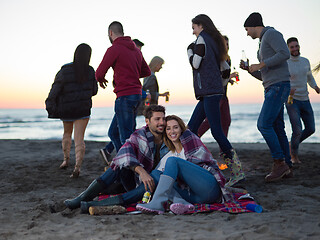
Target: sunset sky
x,y
38,37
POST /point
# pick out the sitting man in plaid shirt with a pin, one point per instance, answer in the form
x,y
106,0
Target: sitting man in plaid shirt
x,y
141,153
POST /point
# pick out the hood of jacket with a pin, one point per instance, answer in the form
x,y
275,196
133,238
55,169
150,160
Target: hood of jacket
x,y
264,30
125,41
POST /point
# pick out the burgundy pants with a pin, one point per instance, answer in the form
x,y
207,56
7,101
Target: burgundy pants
x,y
224,116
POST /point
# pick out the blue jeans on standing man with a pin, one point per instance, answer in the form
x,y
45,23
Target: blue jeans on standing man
x,y
271,123
300,110
209,106
124,121
202,185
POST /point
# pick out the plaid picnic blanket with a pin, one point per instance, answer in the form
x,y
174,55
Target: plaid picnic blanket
x,y
238,206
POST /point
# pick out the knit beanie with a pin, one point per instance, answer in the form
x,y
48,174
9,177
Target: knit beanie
x,y
254,20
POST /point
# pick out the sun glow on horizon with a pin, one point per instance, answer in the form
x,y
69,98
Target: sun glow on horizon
x,y
29,63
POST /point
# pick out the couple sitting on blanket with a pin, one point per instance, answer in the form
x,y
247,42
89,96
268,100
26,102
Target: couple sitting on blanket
x,y
167,158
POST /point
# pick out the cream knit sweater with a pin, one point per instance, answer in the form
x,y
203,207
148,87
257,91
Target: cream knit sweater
x,y
300,75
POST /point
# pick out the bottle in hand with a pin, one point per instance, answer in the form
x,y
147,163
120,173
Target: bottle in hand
x,y
147,103
244,59
237,75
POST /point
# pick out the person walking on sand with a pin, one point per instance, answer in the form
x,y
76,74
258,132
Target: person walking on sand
x,y
273,71
128,65
224,102
70,100
106,152
298,105
205,55
140,154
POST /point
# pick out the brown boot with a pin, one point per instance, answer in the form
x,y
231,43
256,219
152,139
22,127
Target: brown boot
x,y
80,150
279,170
64,164
66,146
290,174
294,155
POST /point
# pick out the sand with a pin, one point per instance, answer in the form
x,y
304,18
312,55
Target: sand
x,y
31,183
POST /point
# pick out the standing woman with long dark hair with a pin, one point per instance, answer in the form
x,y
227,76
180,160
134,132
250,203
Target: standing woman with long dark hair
x,y
205,55
70,100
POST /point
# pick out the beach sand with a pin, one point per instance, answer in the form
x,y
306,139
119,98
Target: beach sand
x,y
31,182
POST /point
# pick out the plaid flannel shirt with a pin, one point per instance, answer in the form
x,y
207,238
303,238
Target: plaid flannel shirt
x,y
138,150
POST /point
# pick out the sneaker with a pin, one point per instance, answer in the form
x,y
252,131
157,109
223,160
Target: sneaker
x,y
106,156
179,208
279,170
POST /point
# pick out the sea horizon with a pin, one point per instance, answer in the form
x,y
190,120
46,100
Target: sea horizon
x,y
34,124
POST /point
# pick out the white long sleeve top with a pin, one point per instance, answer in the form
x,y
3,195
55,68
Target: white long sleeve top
x,y
300,75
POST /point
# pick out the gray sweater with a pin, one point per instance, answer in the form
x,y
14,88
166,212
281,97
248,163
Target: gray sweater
x,y
273,51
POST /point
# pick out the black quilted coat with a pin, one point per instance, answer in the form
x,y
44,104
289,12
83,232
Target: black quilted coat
x,y
69,99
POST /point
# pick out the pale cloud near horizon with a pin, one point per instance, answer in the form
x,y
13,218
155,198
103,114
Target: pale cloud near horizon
x,y
38,37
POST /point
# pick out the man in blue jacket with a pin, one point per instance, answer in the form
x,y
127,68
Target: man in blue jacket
x,y
273,71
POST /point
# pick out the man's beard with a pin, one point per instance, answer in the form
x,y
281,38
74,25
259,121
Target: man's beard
x,y
110,40
295,53
157,132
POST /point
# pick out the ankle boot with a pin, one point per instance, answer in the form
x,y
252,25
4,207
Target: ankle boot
x,y
234,164
179,205
80,151
279,170
115,200
88,195
161,195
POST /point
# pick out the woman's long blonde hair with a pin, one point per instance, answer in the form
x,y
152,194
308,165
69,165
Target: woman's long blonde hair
x,y
154,62
183,127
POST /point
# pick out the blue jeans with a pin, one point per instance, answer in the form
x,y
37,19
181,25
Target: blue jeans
x,y
210,107
271,123
109,147
136,194
124,121
297,111
132,196
203,186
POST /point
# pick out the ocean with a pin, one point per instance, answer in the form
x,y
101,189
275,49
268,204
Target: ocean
x,y
34,124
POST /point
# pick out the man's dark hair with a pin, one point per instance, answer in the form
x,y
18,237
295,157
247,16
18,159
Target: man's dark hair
x,y
116,27
292,39
148,112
